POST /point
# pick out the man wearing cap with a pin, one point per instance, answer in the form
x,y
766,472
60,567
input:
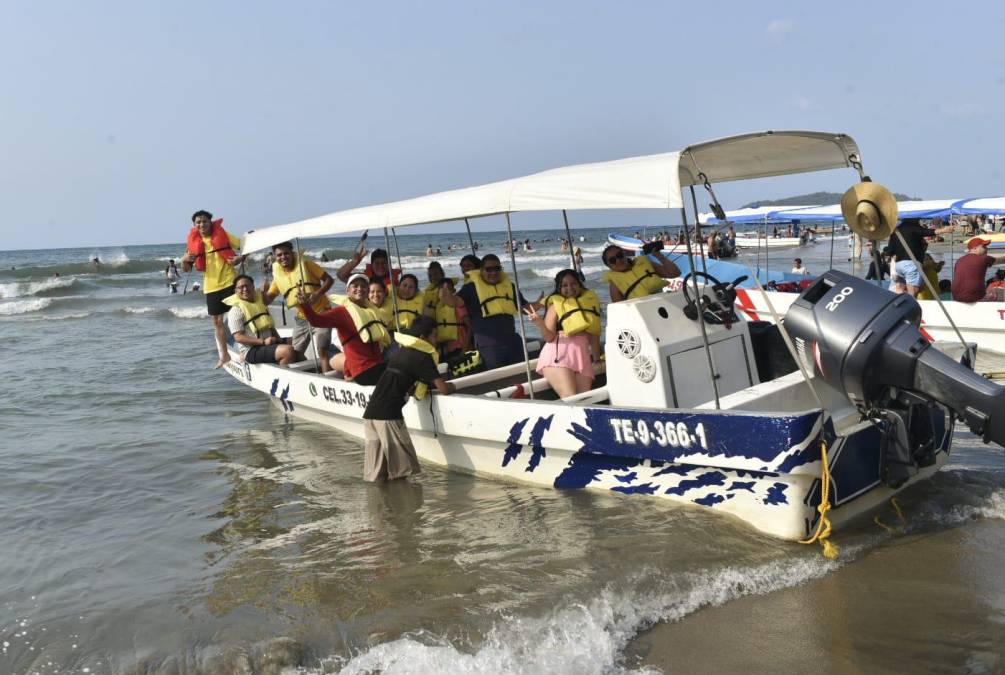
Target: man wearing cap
x,y
915,235
971,271
360,330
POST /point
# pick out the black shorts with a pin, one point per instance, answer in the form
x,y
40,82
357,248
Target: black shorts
x,y
262,354
214,301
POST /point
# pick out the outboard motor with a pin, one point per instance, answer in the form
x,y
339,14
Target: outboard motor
x,y
865,341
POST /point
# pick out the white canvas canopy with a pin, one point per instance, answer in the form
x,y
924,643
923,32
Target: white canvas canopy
x,y
648,182
989,205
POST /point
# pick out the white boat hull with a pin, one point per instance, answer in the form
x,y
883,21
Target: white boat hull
x,y
760,467
780,242
980,322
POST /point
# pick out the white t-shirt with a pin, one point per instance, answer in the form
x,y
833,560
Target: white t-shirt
x,y
235,323
800,270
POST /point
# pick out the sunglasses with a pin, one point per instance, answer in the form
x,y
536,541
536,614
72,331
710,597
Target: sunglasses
x,y
493,268
620,255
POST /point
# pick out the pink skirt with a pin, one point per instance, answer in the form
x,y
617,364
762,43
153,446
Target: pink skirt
x,y
567,352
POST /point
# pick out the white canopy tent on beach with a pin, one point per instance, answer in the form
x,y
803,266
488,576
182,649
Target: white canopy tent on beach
x,y
647,182
920,208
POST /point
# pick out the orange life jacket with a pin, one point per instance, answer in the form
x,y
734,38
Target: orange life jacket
x,y
219,239
368,271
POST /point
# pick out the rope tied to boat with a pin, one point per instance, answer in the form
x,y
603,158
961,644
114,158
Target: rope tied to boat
x,y
823,531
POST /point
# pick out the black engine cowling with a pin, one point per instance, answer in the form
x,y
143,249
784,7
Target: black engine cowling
x,y
865,341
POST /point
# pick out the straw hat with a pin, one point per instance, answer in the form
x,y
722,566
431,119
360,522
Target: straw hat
x,y
870,210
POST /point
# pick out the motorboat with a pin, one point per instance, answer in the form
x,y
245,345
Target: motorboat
x,y
696,403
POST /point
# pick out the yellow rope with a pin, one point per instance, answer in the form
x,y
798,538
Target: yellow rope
x,y
883,525
896,507
824,524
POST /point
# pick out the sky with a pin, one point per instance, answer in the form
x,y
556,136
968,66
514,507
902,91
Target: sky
x,y
119,119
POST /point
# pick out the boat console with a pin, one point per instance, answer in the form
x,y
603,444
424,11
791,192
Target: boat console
x,y
656,356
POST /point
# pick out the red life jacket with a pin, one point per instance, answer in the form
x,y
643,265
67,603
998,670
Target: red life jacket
x,y
368,271
219,240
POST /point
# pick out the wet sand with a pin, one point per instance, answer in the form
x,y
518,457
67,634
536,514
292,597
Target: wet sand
x,y
927,602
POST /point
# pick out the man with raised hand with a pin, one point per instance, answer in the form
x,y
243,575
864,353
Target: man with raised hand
x,y
289,275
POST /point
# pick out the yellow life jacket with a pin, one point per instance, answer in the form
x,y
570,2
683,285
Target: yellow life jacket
x,y
641,280
288,282
431,298
385,312
495,299
447,323
418,344
256,314
408,310
369,327
577,315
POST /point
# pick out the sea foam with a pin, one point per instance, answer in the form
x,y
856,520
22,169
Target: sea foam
x,y
20,289
589,637
15,307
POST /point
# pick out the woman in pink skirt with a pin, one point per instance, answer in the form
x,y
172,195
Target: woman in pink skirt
x,y
571,329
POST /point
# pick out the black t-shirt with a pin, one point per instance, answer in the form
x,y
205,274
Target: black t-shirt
x,y
915,236
488,331
404,368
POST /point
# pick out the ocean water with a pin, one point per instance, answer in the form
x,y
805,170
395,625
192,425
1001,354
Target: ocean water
x,y
159,517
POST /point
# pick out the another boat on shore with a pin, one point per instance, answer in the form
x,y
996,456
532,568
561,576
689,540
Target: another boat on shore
x,y
695,404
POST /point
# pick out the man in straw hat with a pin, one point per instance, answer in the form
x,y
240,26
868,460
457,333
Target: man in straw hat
x,y
871,211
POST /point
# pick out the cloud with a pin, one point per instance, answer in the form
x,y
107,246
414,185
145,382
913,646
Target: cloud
x,y
963,110
777,28
802,104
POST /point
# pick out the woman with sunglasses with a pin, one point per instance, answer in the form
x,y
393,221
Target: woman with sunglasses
x,y
636,277
571,327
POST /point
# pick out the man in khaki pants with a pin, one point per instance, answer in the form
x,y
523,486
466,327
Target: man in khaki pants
x,y
388,449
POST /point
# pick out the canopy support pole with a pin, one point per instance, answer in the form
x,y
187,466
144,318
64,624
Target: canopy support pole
x,y
397,252
519,308
568,238
394,287
310,328
767,247
701,312
697,232
830,265
471,240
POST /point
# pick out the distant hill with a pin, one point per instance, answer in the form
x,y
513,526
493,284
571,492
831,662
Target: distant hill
x,y
815,199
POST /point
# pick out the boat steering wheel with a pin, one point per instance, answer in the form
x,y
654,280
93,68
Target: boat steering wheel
x,y
720,306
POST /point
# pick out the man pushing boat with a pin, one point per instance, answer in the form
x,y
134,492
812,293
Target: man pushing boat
x,y
213,251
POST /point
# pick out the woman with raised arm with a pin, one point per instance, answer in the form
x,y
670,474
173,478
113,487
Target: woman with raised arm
x,y
571,327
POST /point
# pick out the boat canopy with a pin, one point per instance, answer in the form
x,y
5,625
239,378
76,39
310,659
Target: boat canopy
x,y
647,182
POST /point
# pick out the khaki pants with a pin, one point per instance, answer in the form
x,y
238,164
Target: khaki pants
x,y
388,451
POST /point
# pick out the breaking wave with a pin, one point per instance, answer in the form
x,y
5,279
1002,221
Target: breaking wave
x,y
20,289
17,307
179,312
587,637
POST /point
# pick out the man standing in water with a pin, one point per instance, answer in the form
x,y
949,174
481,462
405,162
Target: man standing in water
x,y
213,251
388,449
